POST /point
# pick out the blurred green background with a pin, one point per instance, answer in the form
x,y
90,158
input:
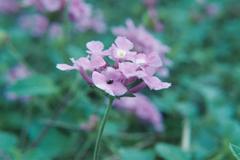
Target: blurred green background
x,y
204,39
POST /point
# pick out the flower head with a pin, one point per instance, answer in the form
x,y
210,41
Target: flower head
x,y
126,68
36,24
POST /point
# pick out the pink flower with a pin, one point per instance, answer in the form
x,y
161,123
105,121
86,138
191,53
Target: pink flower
x,y
121,49
81,14
212,9
46,5
9,6
141,107
36,24
109,81
127,67
55,30
145,43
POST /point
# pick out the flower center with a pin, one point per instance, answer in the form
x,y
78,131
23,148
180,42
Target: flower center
x,y
110,81
121,53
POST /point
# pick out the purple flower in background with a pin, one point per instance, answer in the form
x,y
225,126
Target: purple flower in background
x,y
212,9
46,5
152,12
16,73
9,6
126,68
81,14
55,30
141,107
36,24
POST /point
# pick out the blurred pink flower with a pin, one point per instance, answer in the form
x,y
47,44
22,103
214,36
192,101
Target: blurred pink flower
x,y
128,67
9,6
35,24
46,5
81,14
55,30
212,9
141,107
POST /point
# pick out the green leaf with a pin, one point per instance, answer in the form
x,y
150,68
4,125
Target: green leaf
x,y
171,152
8,141
33,85
136,154
235,150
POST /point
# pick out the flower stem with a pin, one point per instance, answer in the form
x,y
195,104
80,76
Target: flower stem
x,y
101,128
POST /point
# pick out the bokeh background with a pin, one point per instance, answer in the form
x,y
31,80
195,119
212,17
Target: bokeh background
x,y
46,114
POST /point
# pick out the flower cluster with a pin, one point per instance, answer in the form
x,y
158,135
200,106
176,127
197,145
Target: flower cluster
x,y
144,42
79,12
141,107
119,69
37,25
9,6
46,5
82,15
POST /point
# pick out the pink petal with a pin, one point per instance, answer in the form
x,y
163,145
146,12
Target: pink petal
x,y
83,62
65,67
155,83
118,89
97,61
99,81
124,43
95,46
128,69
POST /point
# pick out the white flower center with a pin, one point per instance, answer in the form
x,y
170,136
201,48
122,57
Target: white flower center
x,y
121,53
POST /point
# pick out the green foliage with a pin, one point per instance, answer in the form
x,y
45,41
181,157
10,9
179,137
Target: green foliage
x,y
235,150
171,152
136,154
34,85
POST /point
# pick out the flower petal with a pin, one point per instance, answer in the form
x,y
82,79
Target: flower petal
x,y
118,89
155,83
124,43
65,67
83,62
99,81
128,69
97,61
95,47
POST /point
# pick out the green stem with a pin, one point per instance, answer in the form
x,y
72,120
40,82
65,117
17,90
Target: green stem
x,y
101,128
